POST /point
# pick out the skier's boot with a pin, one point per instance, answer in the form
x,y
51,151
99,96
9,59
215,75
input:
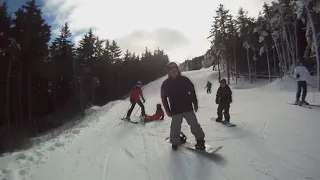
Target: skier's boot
x,y
200,145
219,119
127,119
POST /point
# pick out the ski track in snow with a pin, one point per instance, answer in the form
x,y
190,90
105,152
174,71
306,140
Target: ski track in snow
x,y
272,141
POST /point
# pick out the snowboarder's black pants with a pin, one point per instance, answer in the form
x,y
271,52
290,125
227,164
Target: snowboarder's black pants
x,y
209,90
225,108
133,104
302,85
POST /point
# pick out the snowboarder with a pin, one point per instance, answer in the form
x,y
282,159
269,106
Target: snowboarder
x,y
208,86
301,74
159,115
181,94
135,95
223,99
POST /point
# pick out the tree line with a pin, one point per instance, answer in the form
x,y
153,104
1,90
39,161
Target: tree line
x,y
285,32
43,85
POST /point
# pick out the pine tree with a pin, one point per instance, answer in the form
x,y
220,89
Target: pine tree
x,y
127,56
62,65
31,34
5,56
115,52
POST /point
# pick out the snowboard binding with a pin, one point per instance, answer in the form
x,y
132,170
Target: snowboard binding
x,y
183,138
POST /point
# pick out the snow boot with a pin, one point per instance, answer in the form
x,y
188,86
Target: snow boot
x,y
219,119
200,145
174,147
226,121
304,102
297,102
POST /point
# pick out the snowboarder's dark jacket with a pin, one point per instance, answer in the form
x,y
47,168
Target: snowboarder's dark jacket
x,y
181,93
208,85
224,95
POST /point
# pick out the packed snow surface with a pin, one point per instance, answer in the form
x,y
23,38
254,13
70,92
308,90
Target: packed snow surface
x,y
272,140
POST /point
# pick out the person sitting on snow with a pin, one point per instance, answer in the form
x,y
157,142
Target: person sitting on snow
x,y
159,115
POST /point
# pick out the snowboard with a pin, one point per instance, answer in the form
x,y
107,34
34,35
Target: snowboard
x,y
228,124
301,105
189,145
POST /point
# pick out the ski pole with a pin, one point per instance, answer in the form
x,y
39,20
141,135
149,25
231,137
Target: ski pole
x,y
136,111
127,111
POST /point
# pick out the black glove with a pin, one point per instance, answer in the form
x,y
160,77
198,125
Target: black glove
x,y
168,112
217,101
195,106
298,75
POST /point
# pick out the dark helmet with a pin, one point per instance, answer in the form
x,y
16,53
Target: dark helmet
x,y
139,84
158,106
223,81
172,65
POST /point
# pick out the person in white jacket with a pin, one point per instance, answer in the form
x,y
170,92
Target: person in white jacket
x,y
302,75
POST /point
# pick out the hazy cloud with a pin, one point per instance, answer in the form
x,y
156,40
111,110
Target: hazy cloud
x,y
180,27
164,38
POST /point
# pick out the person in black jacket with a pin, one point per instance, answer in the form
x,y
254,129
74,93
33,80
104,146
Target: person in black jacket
x,y
183,102
224,99
208,86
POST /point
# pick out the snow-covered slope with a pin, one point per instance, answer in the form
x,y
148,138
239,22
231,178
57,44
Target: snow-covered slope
x,y
272,140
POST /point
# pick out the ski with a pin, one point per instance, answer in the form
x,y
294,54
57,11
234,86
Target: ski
x,y
301,105
133,122
189,145
228,124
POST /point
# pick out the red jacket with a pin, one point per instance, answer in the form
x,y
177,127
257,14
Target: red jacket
x,y
135,94
157,116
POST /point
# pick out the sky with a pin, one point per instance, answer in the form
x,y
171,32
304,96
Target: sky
x,y
179,27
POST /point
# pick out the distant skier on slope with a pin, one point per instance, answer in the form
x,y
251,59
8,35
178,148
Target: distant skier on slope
x,y
135,95
208,87
223,99
301,74
159,115
181,94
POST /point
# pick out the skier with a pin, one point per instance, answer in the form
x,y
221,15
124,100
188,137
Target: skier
x,y
208,86
181,94
301,74
223,99
135,95
159,115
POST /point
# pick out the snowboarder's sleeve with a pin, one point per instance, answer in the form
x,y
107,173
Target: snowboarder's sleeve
x,y
192,92
164,96
296,72
230,94
218,95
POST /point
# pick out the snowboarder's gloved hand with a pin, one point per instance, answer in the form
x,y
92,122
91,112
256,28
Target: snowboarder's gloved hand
x,y
143,100
195,106
298,75
168,113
